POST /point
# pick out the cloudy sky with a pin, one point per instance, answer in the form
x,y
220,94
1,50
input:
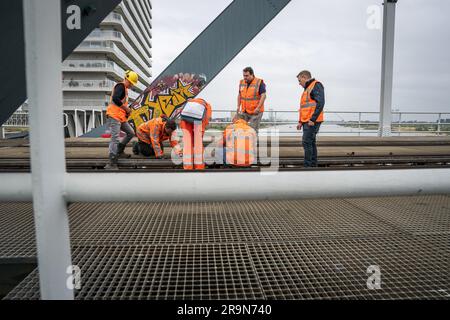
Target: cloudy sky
x,y
330,38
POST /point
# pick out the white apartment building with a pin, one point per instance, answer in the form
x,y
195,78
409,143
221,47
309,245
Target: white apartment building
x,y
123,41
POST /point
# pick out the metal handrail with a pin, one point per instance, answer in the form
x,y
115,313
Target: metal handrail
x,y
85,103
114,17
110,46
98,64
111,35
127,16
74,83
397,125
20,119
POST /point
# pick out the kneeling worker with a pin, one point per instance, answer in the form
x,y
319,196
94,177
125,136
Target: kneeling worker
x,y
151,136
240,142
194,120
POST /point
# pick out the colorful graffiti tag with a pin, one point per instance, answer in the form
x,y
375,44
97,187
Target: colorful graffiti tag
x,y
166,96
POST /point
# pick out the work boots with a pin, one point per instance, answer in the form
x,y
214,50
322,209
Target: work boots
x,y
121,152
113,163
136,150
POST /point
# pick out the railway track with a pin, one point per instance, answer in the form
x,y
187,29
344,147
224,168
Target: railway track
x,y
90,155
326,163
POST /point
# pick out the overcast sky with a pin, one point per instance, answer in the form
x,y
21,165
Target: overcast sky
x,y
330,38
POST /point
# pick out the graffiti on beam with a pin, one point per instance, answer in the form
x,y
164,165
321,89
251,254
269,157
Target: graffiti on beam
x,y
166,97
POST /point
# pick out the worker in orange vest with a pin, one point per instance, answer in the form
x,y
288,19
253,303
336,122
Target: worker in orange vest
x,y
118,112
311,115
195,118
151,136
240,143
251,98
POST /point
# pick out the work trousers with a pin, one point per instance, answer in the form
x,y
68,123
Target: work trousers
x,y
193,145
253,121
115,127
310,144
146,149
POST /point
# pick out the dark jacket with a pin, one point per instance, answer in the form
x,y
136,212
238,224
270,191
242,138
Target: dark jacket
x,y
318,94
119,94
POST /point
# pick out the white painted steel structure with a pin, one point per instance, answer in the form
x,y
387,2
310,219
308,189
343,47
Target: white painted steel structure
x,y
43,53
226,186
50,187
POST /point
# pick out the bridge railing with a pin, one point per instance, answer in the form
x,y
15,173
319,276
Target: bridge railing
x,y
77,121
17,120
337,122
364,123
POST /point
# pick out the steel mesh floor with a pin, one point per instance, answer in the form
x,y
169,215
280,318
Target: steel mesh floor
x,y
17,236
416,215
304,249
163,223
410,269
187,272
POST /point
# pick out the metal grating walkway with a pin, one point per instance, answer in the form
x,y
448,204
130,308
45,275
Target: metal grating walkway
x,y
305,249
17,236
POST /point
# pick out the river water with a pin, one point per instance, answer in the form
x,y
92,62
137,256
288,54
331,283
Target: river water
x,y
333,130
325,130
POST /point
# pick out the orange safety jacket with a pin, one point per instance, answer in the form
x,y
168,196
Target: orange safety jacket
x,y
250,96
308,105
153,132
240,144
116,112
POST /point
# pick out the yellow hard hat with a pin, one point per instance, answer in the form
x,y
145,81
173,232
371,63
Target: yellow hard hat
x,y
132,77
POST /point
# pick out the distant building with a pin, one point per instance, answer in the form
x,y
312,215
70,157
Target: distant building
x,y
122,42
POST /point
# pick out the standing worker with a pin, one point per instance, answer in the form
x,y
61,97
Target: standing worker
x,y
118,112
251,98
311,115
195,118
152,134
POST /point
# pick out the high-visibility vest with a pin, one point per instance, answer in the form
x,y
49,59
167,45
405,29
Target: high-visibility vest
x,y
153,132
240,144
116,112
250,96
308,105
